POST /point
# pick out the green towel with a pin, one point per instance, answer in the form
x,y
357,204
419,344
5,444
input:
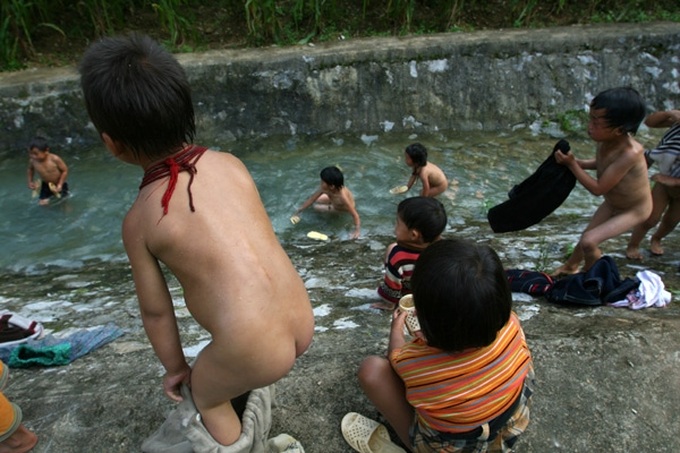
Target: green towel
x,y
25,356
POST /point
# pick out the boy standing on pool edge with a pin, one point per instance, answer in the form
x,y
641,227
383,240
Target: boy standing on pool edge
x,y
238,282
622,180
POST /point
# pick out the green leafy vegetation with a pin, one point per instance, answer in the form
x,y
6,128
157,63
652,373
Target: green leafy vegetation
x,y
55,32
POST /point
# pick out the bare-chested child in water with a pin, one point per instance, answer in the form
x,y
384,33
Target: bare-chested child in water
x,y
198,214
332,195
615,115
432,178
51,168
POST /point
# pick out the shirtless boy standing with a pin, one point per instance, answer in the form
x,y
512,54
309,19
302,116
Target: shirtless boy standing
x,y
432,178
198,213
51,169
332,195
615,115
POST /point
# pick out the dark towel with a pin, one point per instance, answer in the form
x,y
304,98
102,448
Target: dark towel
x,y
601,284
536,197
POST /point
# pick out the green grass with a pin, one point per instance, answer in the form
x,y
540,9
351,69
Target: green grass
x,y
28,27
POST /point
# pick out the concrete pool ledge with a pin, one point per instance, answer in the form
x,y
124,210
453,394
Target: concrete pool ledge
x,y
486,80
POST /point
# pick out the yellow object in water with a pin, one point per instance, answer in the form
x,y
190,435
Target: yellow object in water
x,y
295,219
316,235
53,188
398,190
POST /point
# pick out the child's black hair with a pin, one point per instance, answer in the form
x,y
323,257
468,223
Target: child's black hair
x,y
38,142
624,108
417,153
461,294
333,176
137,92
425,214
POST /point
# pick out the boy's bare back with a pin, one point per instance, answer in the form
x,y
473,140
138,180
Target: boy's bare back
x,y
433,179
238,282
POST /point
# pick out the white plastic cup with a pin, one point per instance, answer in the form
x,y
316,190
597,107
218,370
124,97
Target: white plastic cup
x,y
406,305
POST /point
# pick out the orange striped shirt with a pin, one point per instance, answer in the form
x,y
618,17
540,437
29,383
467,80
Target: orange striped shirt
x,y
458,392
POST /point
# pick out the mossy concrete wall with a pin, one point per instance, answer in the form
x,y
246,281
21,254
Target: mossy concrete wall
x,y
488,80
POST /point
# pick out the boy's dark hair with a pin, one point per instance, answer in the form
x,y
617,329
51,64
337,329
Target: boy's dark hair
x,y
624,108
333,176
417,153
39,143
137,93
425,214
461,294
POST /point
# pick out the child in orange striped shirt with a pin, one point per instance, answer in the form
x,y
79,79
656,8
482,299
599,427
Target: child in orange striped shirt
x,y
464,381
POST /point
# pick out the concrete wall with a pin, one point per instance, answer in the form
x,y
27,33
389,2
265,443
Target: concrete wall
x,y
463,81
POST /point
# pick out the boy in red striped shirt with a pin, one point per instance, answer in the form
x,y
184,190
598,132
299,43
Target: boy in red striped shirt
x,y
420,222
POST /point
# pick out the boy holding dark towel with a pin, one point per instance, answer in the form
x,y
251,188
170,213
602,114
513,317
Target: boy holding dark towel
x,y
622,181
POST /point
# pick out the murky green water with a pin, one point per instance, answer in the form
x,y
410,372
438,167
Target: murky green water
x,y
80,236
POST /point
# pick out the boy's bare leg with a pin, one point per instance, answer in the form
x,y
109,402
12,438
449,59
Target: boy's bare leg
x,y
21,441
668,223
660,200
212,388
598,233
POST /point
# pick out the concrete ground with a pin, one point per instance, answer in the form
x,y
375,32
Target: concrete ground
x,y
607,378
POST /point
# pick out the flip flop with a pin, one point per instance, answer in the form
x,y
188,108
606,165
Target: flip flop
x,y
316,235
366,435
398,190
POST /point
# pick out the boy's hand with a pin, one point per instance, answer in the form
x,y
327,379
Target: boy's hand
x,y
173,382
564,159
32,185
356,234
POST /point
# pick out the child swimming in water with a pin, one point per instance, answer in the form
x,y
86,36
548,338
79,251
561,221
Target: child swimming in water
x,y
198,214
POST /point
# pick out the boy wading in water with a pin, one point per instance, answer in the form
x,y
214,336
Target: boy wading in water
x,y
238,282
615,115
51,169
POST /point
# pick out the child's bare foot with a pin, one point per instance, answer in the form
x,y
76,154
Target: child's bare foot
x,y
633,253
384,306
655,247
564,270
21,441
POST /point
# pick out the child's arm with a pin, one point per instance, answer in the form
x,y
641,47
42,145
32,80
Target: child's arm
x,y
308,202
397,339
411,181
158,314
611,176
666,180
357,221
425,180
63,169
30,175
665,118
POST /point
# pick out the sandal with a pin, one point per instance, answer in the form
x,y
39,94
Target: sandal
x,y
366,435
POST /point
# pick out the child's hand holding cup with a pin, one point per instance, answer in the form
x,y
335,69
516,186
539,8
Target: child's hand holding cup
x,y
406,305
